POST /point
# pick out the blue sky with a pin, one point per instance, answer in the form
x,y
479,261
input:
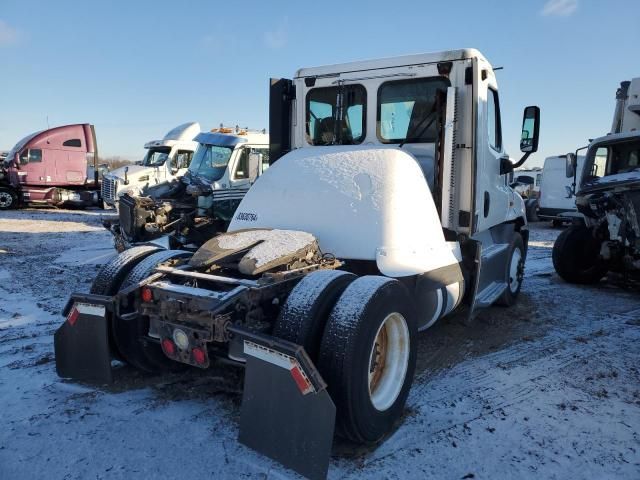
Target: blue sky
x,y
136,69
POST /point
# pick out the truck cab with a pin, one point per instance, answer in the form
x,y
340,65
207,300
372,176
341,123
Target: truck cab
x,y
186,211
57,166
164,161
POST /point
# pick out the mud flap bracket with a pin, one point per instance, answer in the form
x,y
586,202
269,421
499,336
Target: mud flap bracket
x,y
81,343
286,412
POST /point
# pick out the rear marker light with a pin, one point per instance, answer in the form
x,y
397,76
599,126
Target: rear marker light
x,y
146,294
199,356
73,316
168,347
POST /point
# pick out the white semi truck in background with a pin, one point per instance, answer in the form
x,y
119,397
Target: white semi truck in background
x,y
385,208
606,236
186,211
165,160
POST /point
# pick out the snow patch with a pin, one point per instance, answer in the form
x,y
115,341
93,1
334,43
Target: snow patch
x,y
273,243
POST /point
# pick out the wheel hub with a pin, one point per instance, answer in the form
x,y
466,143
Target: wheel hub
x,y
6,199
388,361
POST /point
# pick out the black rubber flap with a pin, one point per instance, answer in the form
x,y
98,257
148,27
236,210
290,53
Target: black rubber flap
x,y
280,422
81,345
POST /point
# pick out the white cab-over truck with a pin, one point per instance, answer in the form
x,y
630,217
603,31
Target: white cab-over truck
x,y
605,236
386,207
165,160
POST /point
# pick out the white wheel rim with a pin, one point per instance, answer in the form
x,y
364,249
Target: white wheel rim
x,y
514,273
388,361
5,199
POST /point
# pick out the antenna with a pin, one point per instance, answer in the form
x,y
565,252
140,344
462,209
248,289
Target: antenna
x,y
48,122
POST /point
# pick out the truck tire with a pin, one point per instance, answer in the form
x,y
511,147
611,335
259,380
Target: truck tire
x,y
8,198
113,273
514,272
304,313
531,206
576,256
130,335
368,356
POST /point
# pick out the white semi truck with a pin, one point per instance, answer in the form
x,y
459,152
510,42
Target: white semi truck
x,y
386,207
165,160
606,235
187,211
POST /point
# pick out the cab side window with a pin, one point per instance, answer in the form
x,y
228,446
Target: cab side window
x,y
242,167
33,155
182,159
494,130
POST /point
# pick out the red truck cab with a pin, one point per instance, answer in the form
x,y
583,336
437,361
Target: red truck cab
x,y
52,167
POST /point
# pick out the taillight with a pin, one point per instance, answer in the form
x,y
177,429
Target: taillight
x,y
146,294
199,356
168,347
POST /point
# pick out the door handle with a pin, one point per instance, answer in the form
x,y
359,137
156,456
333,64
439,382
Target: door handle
x,y
487,204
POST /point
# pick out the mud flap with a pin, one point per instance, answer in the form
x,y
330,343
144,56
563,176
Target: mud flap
x,y
81,344
286,412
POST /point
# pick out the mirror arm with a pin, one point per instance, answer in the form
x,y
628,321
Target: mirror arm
x,y
522,160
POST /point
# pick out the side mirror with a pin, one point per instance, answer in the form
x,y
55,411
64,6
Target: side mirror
x,y
255,159
174,170
530,130
570,168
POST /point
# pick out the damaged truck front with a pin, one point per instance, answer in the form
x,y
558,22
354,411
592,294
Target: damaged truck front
x,y
189,210
606,235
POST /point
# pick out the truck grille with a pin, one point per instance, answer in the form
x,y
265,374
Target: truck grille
x,y
109,189
127,213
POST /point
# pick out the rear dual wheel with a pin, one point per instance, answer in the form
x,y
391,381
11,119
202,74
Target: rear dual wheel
x,y
360,332
131,336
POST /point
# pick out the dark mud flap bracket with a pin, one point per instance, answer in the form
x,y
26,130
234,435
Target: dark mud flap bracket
x,y
81,344
286,412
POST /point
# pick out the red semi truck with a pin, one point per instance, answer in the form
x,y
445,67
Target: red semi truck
x,y
55,167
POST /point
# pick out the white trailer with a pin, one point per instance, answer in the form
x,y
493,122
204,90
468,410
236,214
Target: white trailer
x,y
165,160
385,208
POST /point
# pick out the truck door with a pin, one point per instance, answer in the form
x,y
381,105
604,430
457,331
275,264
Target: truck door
x,y
32,167
492,194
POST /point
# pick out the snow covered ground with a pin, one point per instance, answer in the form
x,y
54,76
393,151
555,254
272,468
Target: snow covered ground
x,y
549,388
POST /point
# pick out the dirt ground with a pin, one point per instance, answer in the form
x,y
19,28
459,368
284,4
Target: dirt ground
x,y
549,388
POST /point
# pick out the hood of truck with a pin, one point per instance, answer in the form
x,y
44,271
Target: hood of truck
x,y
134,173
365,203
619,181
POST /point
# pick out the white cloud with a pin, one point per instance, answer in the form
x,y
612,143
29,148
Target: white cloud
x,y
559,8
277,38
8,34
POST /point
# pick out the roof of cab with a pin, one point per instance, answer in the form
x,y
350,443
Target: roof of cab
x,y
231,140
399,61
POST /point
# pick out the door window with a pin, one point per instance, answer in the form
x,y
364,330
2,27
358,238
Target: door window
x,y
494,129
33,155
182,159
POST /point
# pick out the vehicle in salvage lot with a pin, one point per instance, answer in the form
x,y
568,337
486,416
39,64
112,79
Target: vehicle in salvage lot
x,y
189,210
385,208
55,167
605,236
